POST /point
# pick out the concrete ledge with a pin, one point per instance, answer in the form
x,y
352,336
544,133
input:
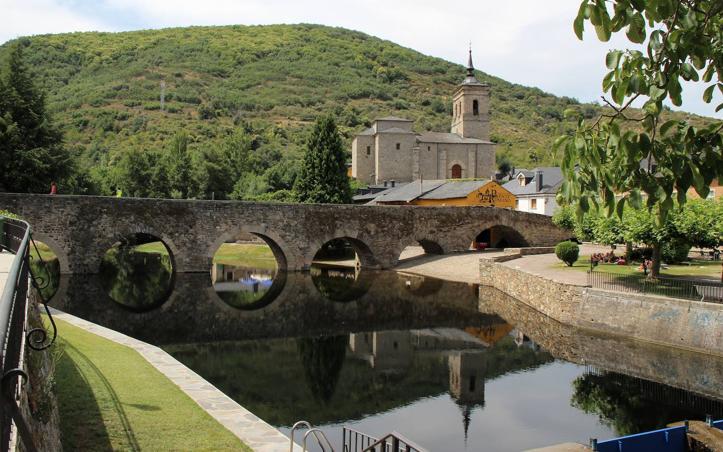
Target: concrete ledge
x,y
250,429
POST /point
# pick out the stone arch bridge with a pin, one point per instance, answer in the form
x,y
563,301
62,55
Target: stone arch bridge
x,y
80,229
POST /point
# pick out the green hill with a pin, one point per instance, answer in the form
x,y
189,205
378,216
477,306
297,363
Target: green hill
x,y
104,90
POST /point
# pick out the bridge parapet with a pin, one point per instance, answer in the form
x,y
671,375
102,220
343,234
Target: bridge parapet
x,y
81,229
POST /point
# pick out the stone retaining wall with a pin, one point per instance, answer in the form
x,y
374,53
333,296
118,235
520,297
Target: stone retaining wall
x,y
686,324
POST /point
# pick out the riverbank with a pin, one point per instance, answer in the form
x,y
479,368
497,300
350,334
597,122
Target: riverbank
x,y
116,392
564,296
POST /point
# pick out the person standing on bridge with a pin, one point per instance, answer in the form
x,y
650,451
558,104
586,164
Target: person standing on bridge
x,y
53,188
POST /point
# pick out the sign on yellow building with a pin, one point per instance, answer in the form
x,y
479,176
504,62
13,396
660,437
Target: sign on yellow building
x,y
466,193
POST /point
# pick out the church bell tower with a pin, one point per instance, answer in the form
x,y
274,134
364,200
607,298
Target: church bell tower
x,y
470,106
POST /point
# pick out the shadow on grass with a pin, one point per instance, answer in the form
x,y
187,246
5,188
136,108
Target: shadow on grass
x,y
82,423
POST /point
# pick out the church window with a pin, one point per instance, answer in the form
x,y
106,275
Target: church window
x,y
429,148
399,146
369,150
475,107
456,171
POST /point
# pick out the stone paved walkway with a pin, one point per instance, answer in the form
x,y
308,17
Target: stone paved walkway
x,y
459,267
253,431
6,259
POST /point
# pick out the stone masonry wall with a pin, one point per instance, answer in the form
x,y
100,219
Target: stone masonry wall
x,y
80,229
685,324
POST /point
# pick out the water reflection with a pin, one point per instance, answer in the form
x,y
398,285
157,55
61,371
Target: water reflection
x,y
450,365
341,284
246,288
138,277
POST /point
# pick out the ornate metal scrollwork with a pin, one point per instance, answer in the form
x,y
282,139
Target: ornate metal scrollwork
x,y
37,338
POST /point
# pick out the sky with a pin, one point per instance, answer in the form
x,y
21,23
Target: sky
x,y
529,42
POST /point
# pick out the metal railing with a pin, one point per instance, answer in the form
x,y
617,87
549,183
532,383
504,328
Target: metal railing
x,y
14,238
394,442
356,441
689,289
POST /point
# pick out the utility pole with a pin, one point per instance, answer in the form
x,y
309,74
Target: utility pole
x,y
163,95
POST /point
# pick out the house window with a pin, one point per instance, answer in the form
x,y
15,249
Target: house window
x,y
533,204
475,107
517,203
456,171
369,150
398,146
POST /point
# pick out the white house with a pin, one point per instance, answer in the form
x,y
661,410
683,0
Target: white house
x,y
536,189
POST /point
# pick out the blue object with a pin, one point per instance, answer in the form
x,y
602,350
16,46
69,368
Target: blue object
x,y
672,439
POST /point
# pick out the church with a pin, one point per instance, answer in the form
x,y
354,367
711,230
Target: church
x,y
391,151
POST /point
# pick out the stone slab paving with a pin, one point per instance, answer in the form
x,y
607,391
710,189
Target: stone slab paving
x,y
253,431
458,267
543,265
6,259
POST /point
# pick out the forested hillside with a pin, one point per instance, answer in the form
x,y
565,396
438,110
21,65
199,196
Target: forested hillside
x,y
254,91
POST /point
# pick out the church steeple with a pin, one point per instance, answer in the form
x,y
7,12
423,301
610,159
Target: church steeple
x,y
470,79
470,66
470,106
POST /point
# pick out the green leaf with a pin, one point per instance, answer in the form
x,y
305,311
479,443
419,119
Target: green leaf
x,y
636,29
619,208
689,72
665,127
656,93
578,26
613,58
621,91
708,94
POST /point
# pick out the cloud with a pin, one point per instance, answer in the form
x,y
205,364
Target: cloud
x,y
30,17
529,42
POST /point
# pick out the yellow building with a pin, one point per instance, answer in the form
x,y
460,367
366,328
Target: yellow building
x,y
448,193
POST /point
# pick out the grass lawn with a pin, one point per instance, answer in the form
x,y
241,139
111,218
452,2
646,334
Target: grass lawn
x,y
246,255
697,268
239,254
152,247
110,398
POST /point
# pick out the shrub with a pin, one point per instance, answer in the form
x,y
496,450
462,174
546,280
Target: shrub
x,y
568,252
675,251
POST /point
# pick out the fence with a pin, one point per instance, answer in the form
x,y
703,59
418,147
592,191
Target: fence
x,y
355,441
673,439
699,290
15,238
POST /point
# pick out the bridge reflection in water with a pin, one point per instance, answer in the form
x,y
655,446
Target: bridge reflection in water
x,y
365,348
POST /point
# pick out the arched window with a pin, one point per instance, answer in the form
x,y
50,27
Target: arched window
x,y
456,171
475,107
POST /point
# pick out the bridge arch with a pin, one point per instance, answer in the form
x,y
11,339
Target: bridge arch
x,y
363,251
284,255
499,236
143,231
57,248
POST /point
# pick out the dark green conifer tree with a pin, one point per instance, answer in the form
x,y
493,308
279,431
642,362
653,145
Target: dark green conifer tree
x,y
323,177
31,151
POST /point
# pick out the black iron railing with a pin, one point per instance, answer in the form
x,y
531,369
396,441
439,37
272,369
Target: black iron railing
x,y
15,239
355,441
689,289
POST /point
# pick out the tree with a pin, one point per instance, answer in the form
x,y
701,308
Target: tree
x,y
178,162
608,165
31,150
323,177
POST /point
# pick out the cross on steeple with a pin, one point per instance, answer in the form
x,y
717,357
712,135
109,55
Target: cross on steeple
x,y
470,66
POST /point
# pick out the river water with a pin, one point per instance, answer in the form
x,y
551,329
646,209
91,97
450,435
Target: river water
x,y
451,366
